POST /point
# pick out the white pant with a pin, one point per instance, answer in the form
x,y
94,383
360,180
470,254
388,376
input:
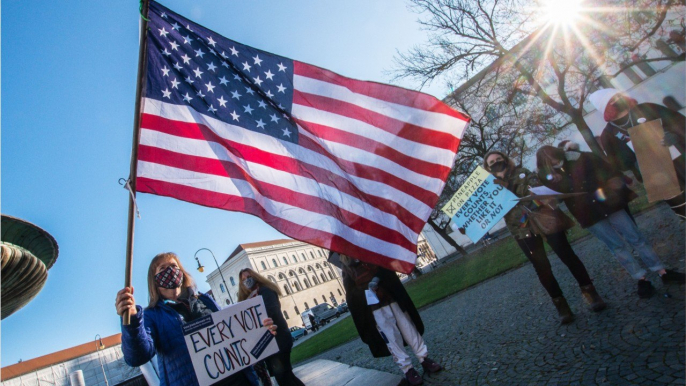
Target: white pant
x,y
394,325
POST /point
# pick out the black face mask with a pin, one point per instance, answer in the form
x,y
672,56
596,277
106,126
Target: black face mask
x,y
499,166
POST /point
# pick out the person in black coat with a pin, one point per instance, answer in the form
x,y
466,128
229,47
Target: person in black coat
x,y
622,113
389,324
601,208
253,284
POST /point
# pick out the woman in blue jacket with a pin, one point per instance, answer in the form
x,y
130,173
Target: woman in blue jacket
x,y
157,330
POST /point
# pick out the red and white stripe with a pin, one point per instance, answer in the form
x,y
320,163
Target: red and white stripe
x,y
370,164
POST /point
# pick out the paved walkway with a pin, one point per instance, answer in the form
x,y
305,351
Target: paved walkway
x,y
505,331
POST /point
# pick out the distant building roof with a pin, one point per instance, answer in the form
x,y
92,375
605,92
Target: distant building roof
x,y
242,247
35,364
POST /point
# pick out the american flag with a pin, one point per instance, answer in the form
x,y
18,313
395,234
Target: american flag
x,y
355,167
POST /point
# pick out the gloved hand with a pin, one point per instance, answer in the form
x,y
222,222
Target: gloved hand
x,y
670,139
374,284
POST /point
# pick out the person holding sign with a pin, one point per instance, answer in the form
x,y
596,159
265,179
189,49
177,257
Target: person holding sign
x,y
530,239
385,316
157,329
622,113
253,284
602,210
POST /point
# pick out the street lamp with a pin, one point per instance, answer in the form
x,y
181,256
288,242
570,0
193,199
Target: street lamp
x,y
202,269
100,346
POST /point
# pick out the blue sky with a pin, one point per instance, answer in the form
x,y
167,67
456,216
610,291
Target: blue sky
x,y
68,87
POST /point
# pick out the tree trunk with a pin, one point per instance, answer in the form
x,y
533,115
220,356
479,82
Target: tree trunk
x,y
580,123
447,238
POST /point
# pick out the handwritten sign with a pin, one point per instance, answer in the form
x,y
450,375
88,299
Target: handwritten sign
x,y
479,204
229,340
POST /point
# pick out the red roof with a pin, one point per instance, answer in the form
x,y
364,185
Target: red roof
x,y
34,364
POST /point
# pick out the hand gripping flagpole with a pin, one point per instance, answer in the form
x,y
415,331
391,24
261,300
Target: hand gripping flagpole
x,y
142,59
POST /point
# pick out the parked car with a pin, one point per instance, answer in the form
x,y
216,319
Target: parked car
x,y
324,312
343,307
298,332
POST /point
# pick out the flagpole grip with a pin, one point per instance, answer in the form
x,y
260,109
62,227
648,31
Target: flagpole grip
x,y
142,59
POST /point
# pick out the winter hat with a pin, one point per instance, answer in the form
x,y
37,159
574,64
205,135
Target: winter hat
x,y
601,98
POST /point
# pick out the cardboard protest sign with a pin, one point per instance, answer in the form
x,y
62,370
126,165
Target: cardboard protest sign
x,y
229,340
479,204
655,161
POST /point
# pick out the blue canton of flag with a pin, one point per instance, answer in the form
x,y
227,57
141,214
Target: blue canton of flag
x,y
237,84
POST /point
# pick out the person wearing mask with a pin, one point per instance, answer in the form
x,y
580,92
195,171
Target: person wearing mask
x,y
622,113
602,209
519,181
253,284
388,324
157,329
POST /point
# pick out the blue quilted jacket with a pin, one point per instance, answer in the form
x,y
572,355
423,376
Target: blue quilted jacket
x,y
158,330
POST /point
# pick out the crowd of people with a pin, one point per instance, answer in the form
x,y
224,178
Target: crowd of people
x,y
593,188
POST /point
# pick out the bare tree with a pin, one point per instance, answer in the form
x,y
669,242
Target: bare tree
x,y
558,66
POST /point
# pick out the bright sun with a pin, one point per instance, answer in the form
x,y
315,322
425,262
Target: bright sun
x,y
561,12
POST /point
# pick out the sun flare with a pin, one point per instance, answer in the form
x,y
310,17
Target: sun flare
x,y
561,12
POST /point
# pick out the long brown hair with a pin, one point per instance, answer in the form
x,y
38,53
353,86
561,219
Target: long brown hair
x,y
153,292
244,292
544,161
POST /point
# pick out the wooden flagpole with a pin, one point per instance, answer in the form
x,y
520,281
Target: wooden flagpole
x,y
142,60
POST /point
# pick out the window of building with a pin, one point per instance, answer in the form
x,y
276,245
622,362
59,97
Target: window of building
x,y
303,256
285,260
264,266
301,270
291,273
221,287
331,275
339,292
271,278
282,276
295,259
324,298
233,282
297,286
285,288
309,268
285,314
315,280
320,253
297,311
312,254
306,306
227,302
274,263
323,277
307,283
315,301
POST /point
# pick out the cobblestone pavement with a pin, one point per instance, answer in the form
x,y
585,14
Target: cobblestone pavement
x,y
505,331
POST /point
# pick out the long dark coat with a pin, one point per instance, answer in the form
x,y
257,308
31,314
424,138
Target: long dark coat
x,y
362,313
590,174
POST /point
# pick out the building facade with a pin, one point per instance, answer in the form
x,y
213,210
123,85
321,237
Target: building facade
x,y
97,363
300,270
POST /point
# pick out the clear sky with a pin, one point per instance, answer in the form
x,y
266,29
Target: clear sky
x,y
68,87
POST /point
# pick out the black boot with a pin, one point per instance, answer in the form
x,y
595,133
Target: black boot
x,y
592,298
563,310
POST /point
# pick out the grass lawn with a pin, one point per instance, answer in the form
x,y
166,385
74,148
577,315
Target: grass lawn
x,y
449,279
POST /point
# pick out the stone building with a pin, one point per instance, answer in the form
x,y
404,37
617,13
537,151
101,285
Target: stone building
x,y
300,270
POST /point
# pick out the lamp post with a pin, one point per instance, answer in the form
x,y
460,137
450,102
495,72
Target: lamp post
x,y
201,269
100,346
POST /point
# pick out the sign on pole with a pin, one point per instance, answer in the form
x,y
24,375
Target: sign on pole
x,y
229,340
479,204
